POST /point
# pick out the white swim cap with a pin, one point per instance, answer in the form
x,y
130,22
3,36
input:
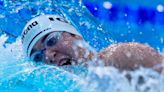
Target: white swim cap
x,y
39,26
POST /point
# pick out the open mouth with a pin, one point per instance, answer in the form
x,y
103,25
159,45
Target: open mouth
x,y
65,61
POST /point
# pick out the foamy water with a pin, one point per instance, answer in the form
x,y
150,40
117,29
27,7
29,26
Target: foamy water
x,y
18,73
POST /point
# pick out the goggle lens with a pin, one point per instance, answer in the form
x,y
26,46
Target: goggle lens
x,y
50,41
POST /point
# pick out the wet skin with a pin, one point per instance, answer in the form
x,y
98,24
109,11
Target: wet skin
x,y
124,56
62,53
130,56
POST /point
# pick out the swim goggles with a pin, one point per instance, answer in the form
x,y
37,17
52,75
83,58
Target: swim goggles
x,y
50,41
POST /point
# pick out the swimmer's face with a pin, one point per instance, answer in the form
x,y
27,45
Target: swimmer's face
x,y
60,53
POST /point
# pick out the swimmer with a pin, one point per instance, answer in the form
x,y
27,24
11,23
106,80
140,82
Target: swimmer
x,y
51,39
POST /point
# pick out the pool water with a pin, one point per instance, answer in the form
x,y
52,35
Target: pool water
x,y
132,20
19,74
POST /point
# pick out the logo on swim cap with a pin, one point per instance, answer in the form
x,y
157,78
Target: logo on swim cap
x,y
39,26
28,28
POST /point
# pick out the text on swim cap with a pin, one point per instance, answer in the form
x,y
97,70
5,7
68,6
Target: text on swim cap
x,y
59,19
28,28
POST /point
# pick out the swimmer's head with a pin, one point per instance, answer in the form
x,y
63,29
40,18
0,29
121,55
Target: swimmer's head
x,y
51,33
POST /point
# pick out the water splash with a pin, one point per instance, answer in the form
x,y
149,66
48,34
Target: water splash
x,y
22,11
105,79
18,73
98,35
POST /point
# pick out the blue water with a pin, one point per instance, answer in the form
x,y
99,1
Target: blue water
x,y
132,20
19,74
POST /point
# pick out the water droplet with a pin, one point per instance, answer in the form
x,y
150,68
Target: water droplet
x,y
107,5
160,8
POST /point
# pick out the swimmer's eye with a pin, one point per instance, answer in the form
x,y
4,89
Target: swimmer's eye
x,y
37,56
51,42
52,39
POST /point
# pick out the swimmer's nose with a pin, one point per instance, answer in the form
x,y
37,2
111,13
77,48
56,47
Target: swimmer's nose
x,y
53,57
50,57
